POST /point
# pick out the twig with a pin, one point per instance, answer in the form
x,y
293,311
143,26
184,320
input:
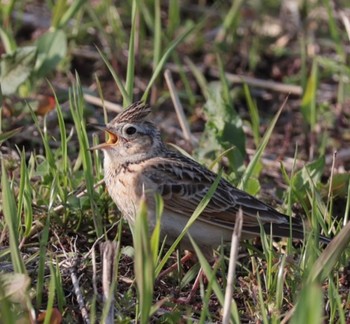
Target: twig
x,y
105,103
288,315
178,107
254,82
94,269
270,85
108,251
71,263
346,23
236,234
342,155
80,299
330,190
270,160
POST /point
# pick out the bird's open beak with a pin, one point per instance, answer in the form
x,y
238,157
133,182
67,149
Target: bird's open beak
x,y
111,138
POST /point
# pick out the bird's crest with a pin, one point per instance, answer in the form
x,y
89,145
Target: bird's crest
x,y
136,112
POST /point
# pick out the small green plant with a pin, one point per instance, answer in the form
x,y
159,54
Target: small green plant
x,y
23,67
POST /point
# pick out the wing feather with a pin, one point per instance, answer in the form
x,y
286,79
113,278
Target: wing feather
x,y
183,183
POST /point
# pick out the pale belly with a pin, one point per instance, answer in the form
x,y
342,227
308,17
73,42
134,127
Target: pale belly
x,y
123,195
207,236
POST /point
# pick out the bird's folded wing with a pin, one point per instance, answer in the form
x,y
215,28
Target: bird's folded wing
x,y
183,186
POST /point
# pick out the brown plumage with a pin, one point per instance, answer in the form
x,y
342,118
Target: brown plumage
x,y
136,161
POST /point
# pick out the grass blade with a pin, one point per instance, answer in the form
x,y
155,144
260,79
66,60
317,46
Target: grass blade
x,y
6,135
310,306
163,60
77,109
201,206
323,266
129,84
208,271
256,158
10,215
51,295
118,81
144,266
236,235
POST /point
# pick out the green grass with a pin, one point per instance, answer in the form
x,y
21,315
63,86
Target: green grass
x,y
53,216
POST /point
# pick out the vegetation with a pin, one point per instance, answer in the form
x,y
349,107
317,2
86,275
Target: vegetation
x,y
266,93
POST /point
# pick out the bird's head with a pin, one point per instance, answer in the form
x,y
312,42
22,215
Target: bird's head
x,y
129,136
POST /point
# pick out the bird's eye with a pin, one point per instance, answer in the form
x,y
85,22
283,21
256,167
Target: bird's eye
x,y
130,130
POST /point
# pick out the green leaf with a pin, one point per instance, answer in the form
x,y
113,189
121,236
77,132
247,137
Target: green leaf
x,y
304,180
252,186
64,11
338,186
6,135
8,40
52,48
223,130
333,66
310,306
16,68
308,103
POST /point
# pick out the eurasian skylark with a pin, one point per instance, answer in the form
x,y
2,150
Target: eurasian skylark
x,y
137,162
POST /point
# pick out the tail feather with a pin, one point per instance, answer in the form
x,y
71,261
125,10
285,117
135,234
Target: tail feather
x,y
294,230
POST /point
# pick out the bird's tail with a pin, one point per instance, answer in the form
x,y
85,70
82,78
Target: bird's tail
x,y
296,230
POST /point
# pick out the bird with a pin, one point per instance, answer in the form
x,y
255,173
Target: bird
x,y
138,165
